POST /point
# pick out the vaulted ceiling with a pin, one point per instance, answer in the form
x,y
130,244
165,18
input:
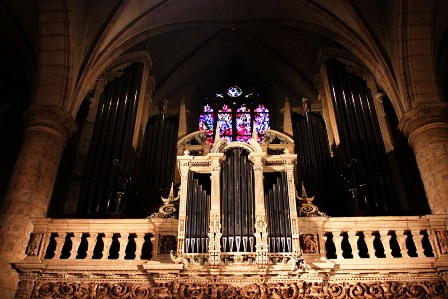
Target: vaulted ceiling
x,y
199,45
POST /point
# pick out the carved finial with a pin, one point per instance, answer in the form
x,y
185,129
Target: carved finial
x,y
164,108
304,195
170,196
306,105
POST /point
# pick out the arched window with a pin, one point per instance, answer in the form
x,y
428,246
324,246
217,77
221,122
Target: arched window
x,y
237,115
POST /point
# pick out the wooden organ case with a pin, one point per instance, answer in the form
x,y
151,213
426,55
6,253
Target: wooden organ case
x,y
237,209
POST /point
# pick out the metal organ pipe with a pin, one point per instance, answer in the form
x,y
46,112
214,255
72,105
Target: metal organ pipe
x,y
115,122
277,209
360,138
237,202
197,221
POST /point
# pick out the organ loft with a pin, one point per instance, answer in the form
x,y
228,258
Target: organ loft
x,y
223,149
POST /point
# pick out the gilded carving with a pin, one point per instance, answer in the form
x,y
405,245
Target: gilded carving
x,y
280,290
167,243
308,243
33,246
442,239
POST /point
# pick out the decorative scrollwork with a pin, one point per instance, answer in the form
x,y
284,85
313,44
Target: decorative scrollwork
x,y
170,207
214,290
33,246
308,243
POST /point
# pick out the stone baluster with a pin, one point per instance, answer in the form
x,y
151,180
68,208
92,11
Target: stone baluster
x,y
401,239
124,237
337,240
45,241
139,241
417,237
76,240
59,244
385,240
91,242
323,241
369,239
353,240
155,245
107,241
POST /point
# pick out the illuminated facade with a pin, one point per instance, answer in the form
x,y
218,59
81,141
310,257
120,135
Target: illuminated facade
x,y
189,149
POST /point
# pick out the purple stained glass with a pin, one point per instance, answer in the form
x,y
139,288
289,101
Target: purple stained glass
x,y
207,120
207,108
243,138
225,124
228,138
234,91
243,121
261,119
225,108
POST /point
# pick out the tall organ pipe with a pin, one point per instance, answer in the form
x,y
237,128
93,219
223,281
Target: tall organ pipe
x,y
197,221
237,202
111,139
314,166
277,209
361,140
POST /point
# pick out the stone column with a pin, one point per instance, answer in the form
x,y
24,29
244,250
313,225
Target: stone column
x,y
214,235
427,130
261,233
31,185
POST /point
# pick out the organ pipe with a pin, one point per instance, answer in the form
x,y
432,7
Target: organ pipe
x,y
277,209
101,187
198,209
237,202
314,166
361,140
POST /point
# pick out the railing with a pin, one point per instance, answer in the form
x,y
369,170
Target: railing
x,y
350,242
101,239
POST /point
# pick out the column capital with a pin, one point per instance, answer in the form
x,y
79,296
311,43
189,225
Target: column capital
x,y
422,118
49,117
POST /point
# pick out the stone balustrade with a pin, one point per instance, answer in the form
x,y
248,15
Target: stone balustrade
x,y
352,241
121,255
100,239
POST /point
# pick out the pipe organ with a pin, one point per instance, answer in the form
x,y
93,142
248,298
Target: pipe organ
x,y
237,203
101,187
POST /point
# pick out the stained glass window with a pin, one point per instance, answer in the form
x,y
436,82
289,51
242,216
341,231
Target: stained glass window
x,y
225,121
234,91
261,119
243,123
206,122
235,120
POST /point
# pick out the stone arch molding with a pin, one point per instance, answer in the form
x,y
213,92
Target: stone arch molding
x,y
117,65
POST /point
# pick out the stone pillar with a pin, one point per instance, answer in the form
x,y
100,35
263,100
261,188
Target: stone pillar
x,y
31,185
214,235
427,130
184,167
261,233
